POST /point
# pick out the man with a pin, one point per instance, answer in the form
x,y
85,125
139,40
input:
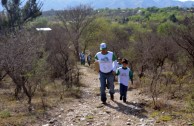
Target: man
x,y
107,67
82,58
119,63
89,58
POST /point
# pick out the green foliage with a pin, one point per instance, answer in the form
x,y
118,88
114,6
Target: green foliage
x,y
40,22
164,28
190,100
39,70
16,15
173,18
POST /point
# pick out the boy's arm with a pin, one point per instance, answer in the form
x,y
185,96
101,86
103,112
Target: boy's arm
x,y
117,72
131,76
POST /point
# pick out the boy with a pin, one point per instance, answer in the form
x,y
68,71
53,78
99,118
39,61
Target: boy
x,y
82,58
124,75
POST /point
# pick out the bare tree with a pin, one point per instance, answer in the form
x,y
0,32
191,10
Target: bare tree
x,y
153,50
75,21
19,59
183,36
120,40
61,61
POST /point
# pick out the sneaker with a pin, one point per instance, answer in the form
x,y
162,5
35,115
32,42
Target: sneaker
x,y
121,98
112,97
104,102
124,100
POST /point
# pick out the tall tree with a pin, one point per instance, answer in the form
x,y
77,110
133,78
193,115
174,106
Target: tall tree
x,y
75,21
17,15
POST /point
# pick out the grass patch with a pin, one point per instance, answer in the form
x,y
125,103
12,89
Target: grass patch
x,y
89,117
5,114
155,114
165,118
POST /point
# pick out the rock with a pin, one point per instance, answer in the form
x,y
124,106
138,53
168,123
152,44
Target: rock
x,y
82,119
158,121
143,124
108,112
70,114
100,106
70,110
126,111
141,120
61,110
88,123
52,121
101,113
46,125
59,116
85,114
128,123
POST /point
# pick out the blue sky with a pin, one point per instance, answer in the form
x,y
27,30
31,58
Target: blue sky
x,y
49,4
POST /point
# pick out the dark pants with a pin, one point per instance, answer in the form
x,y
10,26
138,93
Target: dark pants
x,y
103,78
82,61
89,63
123,91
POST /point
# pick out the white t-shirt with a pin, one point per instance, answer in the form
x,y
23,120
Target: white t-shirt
x,y
123,75
107,62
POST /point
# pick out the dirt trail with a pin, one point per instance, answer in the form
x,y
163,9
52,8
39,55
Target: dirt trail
x,y
90,111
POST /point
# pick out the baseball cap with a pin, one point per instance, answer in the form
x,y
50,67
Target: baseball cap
x,y
103,46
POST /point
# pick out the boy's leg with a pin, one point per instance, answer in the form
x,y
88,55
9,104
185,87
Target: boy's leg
x,y
110,79
125,93
121,92
103,87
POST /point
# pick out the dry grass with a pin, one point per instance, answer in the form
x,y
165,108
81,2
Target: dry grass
x,y
15,112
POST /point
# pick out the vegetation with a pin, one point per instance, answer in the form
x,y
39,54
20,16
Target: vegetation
x,y
159,43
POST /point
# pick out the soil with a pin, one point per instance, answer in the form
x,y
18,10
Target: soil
x,y
89,111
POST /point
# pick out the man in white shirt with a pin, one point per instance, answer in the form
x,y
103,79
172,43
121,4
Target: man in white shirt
x,y
107,67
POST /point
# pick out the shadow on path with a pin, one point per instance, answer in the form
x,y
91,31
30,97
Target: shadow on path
x,y
128,108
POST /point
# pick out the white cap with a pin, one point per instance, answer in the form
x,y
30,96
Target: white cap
x,y
103,46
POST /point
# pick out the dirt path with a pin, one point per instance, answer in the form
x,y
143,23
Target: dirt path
x,y
90,111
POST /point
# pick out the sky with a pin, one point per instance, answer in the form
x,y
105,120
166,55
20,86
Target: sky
x,y
185,0
52,5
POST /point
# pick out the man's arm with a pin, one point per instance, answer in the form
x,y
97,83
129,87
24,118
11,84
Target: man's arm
x,y
97,67
114,62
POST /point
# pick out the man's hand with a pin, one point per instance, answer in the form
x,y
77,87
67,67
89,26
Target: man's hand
x,y
114,73
97,69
